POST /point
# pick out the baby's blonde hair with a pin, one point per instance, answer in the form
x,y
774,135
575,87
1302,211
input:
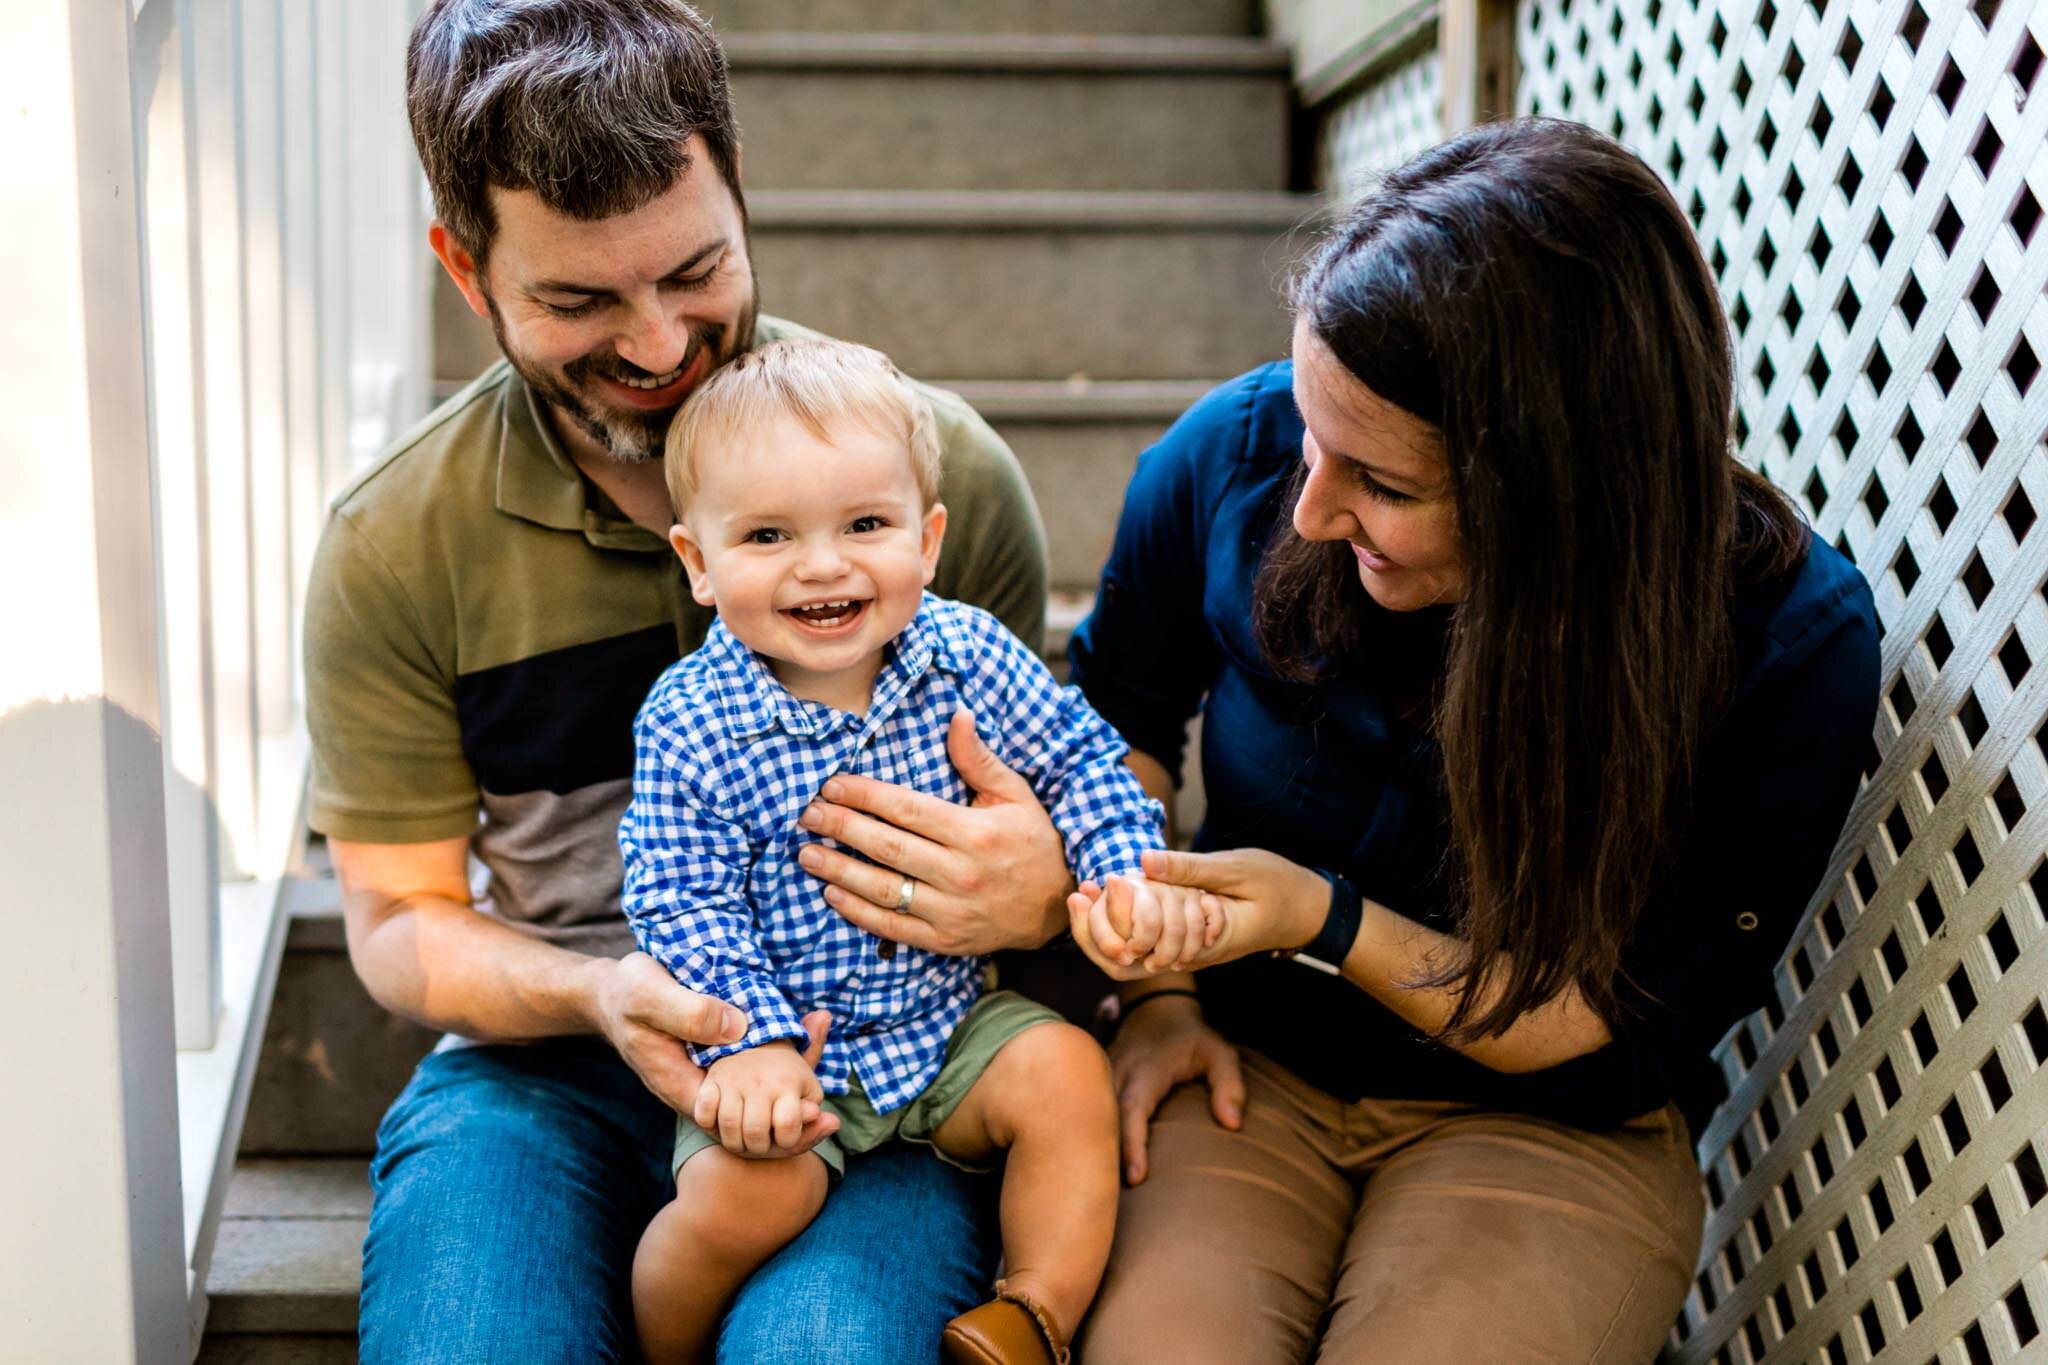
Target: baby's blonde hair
x,y
817,381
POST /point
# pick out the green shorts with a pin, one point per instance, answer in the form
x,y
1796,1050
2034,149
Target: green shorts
x,y
995,1019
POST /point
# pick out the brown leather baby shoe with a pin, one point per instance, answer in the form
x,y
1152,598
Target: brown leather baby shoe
x,y
1007,1330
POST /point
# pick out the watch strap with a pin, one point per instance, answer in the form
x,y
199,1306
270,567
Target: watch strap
x,y
1332,943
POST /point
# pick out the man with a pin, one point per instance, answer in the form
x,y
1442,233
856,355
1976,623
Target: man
x,y
489,604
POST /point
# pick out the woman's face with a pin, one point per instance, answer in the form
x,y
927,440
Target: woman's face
x,y
1376,478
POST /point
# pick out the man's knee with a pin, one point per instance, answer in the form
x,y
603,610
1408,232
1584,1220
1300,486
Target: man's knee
x,y
902,1245
502,1223
805,1337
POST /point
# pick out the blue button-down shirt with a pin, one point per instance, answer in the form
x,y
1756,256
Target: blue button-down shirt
x,y
725,761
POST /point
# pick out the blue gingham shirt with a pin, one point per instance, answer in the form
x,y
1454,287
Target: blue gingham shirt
x,y
725,759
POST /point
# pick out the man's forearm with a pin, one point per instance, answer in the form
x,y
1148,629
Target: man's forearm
x,y
445,965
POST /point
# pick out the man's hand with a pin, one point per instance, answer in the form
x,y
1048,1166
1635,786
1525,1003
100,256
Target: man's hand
x,y
647,1016
989,876
758,1102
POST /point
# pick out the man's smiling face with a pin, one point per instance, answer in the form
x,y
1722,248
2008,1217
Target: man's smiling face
x,y
614,321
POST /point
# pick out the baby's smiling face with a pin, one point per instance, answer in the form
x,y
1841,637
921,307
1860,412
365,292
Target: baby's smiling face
x,y
816,552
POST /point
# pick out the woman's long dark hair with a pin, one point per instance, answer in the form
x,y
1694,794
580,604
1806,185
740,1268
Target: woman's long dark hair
x,y
1533,290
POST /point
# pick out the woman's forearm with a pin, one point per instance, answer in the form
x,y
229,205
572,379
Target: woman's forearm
x,y
1277,905
1393,952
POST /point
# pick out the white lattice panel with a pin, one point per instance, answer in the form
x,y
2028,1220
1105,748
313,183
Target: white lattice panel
x,y
1869,182
1375,130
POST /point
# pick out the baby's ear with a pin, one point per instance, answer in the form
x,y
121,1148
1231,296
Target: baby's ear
x,y
680,541
934,537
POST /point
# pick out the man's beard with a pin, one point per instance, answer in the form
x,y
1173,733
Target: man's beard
x,y
628,435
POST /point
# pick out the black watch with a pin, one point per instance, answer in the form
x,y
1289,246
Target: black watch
x,y
1332,943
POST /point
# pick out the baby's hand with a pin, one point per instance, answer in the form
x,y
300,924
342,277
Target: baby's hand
x,y
1169,927
759,1100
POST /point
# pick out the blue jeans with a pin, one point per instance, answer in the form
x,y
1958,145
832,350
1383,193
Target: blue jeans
x,y
512,1183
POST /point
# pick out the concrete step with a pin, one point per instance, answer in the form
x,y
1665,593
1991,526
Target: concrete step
x,y
1014,285
1064,611
288,1259
287,1264
333,1059
1219,17
1078,443
277,1349
914,111
1023,285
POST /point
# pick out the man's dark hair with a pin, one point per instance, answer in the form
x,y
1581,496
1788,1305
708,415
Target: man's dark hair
x,y
1532,289
587,103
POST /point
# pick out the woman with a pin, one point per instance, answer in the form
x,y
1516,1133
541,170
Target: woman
x,y
1526,706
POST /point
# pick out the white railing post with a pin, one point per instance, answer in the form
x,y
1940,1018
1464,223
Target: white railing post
x,y
302,70
266,96
92,1267
216,230
223,236
334,228
176,387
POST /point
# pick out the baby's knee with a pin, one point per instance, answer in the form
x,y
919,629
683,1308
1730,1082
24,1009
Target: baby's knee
x,y
747,1207
1058,1071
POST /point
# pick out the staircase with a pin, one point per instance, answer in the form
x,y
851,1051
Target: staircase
x,y
1074,212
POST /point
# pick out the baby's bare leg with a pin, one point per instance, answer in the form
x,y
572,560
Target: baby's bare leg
x,y
1048,1101
729,1216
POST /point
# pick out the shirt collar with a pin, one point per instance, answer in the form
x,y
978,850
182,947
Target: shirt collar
x,y
538,482
748,700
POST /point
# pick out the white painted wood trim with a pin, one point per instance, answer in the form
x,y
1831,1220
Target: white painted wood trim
x,y
91,1267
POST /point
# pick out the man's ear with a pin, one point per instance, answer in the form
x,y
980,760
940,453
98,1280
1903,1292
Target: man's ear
x,y
693,564
460,265
934,537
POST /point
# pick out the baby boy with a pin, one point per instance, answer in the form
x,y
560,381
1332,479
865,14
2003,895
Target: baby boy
x,y
805,481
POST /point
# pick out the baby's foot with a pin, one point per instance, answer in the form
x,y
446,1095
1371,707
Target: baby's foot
x,y
1010,1329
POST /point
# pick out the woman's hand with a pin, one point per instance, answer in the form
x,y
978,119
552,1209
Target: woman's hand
x,y
1163,1045
988,876
1132,920
1264,904
1270,904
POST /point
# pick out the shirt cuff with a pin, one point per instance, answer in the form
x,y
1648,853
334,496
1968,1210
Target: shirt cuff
x,y
770,1016
1120,849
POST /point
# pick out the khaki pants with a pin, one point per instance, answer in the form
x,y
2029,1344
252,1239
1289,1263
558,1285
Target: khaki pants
x,y
1395,1231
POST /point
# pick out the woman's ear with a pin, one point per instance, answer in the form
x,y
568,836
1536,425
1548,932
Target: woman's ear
x,y
934,536
686,549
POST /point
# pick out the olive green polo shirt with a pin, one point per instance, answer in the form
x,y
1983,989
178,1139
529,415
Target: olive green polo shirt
x,y
482,626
